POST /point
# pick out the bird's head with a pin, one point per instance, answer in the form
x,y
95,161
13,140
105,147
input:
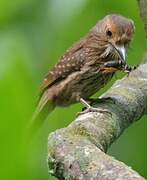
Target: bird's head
x,y
115,32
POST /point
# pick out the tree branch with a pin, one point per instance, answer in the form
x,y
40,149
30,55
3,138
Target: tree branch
x,y
78,151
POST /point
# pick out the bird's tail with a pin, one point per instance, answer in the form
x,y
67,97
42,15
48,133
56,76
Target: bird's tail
x,y
44,108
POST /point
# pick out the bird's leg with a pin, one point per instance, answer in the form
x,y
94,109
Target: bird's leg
x,y
92,101
89,108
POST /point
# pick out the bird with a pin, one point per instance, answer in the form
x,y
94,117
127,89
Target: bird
x,y
86,67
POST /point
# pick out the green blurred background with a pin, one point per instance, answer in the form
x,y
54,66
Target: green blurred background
x,y
33,35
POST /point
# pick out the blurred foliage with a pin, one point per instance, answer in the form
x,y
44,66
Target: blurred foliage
x,y
33,35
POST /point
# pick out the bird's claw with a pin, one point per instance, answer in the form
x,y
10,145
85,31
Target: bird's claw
x,y
93,109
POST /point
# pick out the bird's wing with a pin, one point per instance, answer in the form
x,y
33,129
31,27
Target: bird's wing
x,y
71,61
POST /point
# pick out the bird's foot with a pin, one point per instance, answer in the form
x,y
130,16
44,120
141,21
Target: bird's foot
x,y
90,108
93,109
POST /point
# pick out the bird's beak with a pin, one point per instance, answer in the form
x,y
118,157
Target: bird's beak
x,y
121,51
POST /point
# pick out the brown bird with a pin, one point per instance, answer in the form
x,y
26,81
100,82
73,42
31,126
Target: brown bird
x,y
87,66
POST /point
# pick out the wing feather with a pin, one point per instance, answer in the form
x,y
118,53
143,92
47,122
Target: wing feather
x,y
70,62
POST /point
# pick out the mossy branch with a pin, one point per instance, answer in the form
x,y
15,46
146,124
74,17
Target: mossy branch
x,y
79,150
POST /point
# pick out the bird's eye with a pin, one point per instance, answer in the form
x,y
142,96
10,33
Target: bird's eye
x,y
109,33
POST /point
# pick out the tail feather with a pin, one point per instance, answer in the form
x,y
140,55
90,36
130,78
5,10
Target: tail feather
x,y
43,109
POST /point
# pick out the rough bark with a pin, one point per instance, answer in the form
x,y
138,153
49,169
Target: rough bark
x,y
79,150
